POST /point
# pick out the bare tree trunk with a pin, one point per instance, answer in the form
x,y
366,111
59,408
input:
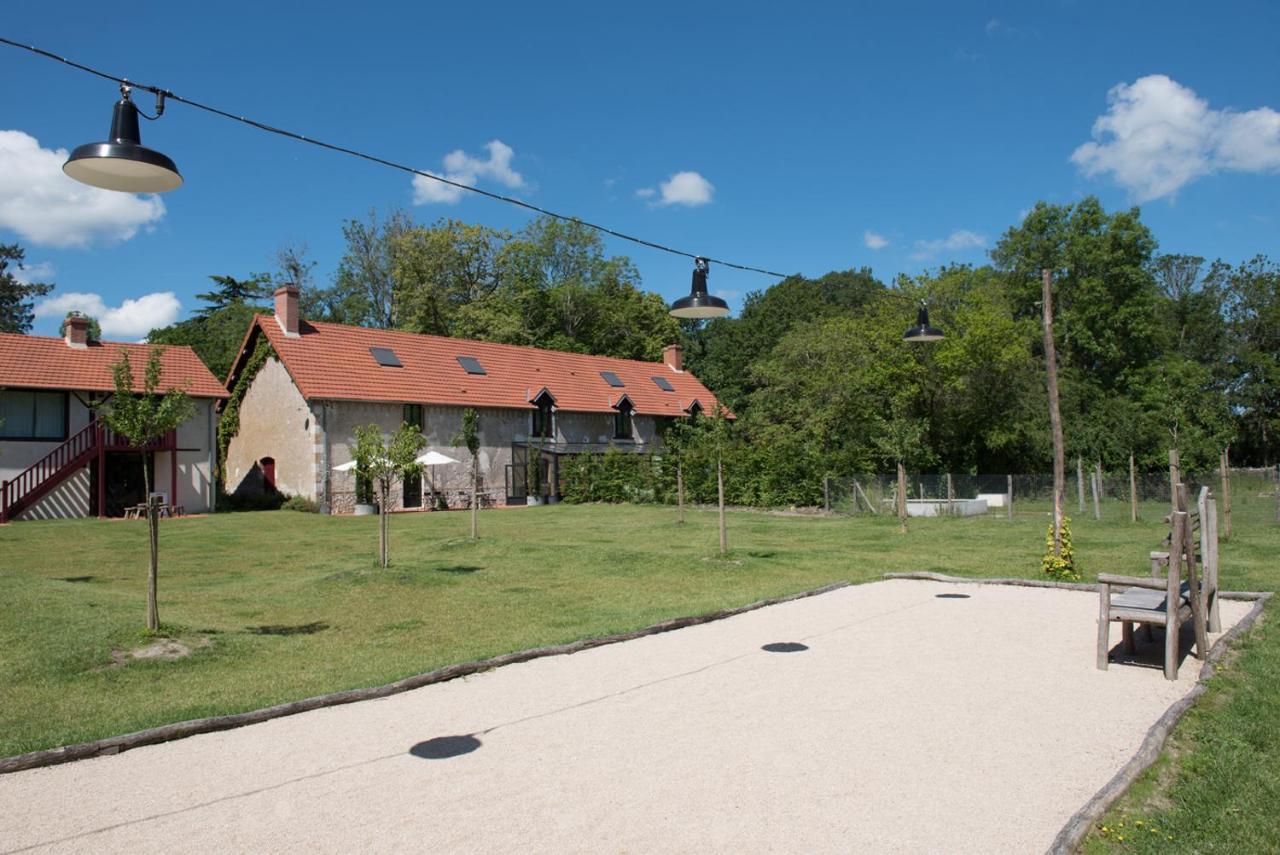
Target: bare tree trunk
x,y
724,533
382,525
475,495
153,542
1055,415
1133,490
680,489
951,497
902,497
1080,482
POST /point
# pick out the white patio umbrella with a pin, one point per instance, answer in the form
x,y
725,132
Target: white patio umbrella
x,y
433,458
345,467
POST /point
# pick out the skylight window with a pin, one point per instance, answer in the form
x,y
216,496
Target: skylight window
x,y
612,379
663,384
385,356
471,365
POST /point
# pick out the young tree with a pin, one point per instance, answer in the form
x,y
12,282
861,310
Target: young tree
x,y
386,459
470,437
142,417
16,309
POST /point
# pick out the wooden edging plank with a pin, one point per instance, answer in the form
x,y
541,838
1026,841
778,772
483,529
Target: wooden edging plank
x,y
179,730
1073,833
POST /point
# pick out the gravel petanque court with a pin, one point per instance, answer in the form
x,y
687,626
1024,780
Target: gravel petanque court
x,y
898,716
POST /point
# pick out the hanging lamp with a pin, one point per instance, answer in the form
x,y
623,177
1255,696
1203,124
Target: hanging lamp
x,y
922,331
699,304
122,162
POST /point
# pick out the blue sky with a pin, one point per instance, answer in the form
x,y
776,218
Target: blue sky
x,y
811,136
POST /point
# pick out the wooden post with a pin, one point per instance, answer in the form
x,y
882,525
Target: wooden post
x,y
1276,481
1009,502
1080,482
1097,490
1174,477
1133,489
1055,414
724,534
101,440
951,497
1226,493
680,489
902,496
826,493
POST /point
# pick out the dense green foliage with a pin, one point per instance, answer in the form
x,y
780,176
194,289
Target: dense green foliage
x,y
216,331
16,298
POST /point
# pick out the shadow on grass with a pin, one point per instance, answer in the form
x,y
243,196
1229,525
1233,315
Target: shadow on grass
x,y
283,629
459,568
74,579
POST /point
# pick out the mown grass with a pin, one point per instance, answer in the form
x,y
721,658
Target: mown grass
x,y
293,605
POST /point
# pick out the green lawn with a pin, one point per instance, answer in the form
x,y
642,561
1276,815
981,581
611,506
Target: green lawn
x,y
289,605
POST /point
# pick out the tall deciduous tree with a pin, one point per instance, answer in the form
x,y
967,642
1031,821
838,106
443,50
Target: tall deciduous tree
x,y
143,416
17,307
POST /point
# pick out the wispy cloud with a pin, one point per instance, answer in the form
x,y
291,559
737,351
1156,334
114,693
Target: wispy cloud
x,y
467,169
45,207
961,239
682,188
1157,136
29,273
874,240
132,319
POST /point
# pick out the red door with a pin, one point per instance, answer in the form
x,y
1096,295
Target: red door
x,y
269,473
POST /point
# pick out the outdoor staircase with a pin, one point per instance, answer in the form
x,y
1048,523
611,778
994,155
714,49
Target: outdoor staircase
x,y
32,484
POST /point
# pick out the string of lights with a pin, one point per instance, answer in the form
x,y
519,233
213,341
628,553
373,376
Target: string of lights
x,y
162,94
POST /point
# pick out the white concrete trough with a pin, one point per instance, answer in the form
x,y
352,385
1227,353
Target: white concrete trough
x,y
995,500
941,508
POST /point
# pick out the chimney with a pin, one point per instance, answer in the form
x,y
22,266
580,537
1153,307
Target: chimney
x,y
287,309
76,330
673,355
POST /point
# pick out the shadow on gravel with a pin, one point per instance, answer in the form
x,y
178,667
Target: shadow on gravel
x,y
785,647
444,747
952,596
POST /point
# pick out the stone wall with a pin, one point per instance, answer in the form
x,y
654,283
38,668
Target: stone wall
x,y
275,422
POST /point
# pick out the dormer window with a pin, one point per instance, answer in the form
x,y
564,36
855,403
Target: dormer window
x,y
622,426
543,418
694,410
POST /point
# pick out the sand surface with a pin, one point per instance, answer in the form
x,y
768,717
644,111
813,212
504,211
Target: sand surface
x,y
916,720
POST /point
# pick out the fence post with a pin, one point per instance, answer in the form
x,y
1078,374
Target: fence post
x,y
1096,477
1174,466
902,496
951,497
1133,490
1276,481
1226,493
826,493
1080,482
1009,502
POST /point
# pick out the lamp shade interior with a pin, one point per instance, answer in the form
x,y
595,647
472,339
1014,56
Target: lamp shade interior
x,y
123,166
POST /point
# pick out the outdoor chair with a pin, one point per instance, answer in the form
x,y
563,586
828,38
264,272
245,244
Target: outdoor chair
x,y
1169,597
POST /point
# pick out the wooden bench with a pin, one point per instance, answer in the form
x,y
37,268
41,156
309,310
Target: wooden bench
x,y
1169,597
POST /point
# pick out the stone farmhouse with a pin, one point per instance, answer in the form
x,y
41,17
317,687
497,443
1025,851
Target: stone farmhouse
x,y
57,460
303,389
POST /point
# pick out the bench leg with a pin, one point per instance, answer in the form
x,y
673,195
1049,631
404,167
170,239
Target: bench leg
x,y
1149,632
1126,634
1104,625
1171,650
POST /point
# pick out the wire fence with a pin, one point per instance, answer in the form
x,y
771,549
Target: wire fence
x,y
1092,496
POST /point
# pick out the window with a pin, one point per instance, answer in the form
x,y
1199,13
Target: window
x,y
612,379
695,410
622,421
471,365
413,416
412,491
663,384
33,415
543,425
386,357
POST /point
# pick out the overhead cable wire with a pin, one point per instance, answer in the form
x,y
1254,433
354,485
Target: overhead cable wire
x,y
510,200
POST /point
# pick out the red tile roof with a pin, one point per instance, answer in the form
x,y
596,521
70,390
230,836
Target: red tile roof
x,y
40,362
333,362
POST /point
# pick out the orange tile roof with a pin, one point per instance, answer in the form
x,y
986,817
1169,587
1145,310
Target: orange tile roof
x,y
41,362
333,362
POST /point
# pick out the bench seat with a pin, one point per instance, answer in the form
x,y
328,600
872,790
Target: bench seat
x,y
1145,599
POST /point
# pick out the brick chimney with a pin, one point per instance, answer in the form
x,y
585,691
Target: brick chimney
x,y
287,309
673,355
76,330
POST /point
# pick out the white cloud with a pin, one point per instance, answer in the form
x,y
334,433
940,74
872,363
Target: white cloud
x,y
645,193
44,206
132,319
874,240
958,240
28,273
466,169
1158,135
686,188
